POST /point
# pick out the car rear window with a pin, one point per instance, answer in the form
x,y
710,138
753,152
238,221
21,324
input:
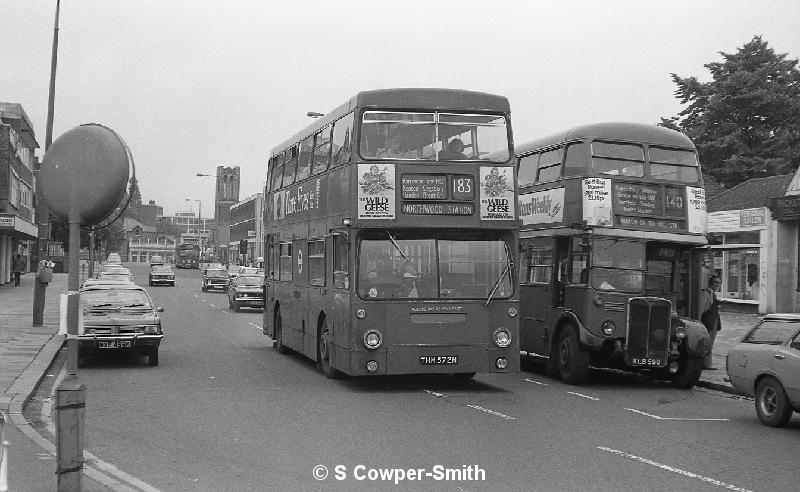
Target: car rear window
x,y
773,332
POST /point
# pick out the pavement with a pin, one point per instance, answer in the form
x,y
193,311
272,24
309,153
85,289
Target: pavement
x,y
27,351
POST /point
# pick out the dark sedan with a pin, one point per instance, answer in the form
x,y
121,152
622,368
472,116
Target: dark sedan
x,y
162,275
215,278
119,317
246,291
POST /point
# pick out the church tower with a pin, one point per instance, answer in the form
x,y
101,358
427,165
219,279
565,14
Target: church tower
x,y
227,194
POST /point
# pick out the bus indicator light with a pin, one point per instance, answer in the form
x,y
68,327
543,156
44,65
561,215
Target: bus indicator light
x,y
361,314
373,339
501,363
609,327
372,366
512,312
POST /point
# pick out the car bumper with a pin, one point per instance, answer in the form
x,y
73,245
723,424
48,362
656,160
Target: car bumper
x,y
215,286
250,301
139,343
159,281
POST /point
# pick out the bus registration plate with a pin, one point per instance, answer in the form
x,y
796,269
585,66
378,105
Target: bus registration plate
x,y
114,344
436,360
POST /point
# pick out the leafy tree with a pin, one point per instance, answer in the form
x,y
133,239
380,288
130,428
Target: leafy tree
x,y
746,121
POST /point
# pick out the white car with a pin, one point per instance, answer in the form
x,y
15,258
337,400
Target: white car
x,y
766,364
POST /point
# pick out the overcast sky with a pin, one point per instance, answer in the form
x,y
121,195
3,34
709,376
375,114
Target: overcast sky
x,y
193,84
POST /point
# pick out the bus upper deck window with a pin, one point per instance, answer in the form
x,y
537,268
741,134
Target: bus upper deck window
x,y
618,159
674,165
576,160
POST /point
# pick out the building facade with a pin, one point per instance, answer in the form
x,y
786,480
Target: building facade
x,y
755,249
227,195
18,229
245,245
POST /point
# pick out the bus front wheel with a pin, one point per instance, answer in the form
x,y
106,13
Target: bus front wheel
x,y
324,351
573,361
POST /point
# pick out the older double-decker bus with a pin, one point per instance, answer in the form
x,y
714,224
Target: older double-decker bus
x,y
187,255
613,221
391,235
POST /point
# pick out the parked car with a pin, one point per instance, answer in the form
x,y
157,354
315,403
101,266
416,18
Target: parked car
x,y
119,317
766,364
113,259
215,278
115,273
156,260
162,275
246,291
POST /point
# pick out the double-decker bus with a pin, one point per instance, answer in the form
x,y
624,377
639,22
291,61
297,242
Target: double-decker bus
x,y
187,255
391,235
613,224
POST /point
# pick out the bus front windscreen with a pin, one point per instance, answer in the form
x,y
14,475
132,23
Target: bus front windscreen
x,y
434,136
429,266
617,265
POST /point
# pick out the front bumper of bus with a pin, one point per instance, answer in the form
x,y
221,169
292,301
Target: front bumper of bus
x,y
432,359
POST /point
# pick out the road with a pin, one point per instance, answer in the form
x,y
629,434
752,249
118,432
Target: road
x,y
225,411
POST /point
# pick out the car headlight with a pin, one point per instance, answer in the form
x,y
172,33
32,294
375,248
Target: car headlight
x,y
152,329
680,332
608,327
502,338
373,339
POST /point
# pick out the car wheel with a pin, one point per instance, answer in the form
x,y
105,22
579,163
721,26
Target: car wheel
x,y
688,373
772,405
573,361
152,357
324,351
282,349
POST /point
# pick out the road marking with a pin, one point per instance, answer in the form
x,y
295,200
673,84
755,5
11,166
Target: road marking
x,y
652,416
437,395
535,382
492,412
675,470
212,305
255,325
583,396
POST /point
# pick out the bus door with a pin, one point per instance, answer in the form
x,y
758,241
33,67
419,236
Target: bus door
x,y
536,292
314,266
299,295
576,277
270,276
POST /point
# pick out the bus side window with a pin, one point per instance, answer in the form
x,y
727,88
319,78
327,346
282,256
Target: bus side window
x,y
322,150
341,265
304,159
525,271
316,262
290,166
341,141
277,173
286,273
576,160
550,165
528,165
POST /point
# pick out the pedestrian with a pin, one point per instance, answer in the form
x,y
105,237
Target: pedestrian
x,y
17,266
709,316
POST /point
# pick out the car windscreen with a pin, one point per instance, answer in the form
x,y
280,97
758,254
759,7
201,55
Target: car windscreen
x,y
114,299
250,281
217,273
162,269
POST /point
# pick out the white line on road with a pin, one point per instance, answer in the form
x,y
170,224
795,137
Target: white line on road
x,y
671,418
492,412
255,325
583,396
535,382
675,470
437,395
212,305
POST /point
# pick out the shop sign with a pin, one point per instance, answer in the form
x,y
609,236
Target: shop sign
x,y
785,207
6,221
752,217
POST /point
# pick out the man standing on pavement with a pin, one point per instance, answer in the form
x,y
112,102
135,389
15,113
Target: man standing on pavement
x,y
709,315
17,266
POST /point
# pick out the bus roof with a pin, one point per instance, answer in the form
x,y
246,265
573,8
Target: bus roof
x,y
621,131
402,99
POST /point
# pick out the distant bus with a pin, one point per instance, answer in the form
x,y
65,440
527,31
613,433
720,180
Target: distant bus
x,y
391,235
612,217
187,255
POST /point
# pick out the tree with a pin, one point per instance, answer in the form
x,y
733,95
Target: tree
x,y
746,121
135,200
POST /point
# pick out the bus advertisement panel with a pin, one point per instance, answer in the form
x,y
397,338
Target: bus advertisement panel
x,y
614,222
391,233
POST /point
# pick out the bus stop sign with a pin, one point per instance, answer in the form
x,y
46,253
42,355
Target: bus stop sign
x,y
84,174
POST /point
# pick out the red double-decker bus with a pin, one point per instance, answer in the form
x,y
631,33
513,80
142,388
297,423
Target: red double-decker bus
x,y
613,229
390,230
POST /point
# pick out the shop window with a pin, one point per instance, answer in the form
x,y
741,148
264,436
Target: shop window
x,y
739,271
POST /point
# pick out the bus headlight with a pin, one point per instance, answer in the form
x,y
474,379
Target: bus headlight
x,y
680,333
608,327
373,339
502,338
